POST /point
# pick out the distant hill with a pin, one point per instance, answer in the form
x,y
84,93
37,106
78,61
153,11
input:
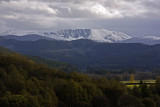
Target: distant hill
x,y
86,53
31,37
150,40
62,66
5,50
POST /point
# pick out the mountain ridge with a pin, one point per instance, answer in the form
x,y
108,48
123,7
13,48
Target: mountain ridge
x,y
150,40
98,35
28,37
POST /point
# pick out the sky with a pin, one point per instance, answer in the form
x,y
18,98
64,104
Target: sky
x,y
133,17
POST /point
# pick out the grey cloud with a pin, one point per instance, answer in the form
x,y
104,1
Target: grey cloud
x,y
52,14
83,8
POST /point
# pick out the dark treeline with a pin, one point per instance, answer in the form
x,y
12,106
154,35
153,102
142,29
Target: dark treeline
x,y
24,83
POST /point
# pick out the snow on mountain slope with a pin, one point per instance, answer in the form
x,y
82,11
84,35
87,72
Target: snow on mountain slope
x,y
98,35
67,35
103,35
150,40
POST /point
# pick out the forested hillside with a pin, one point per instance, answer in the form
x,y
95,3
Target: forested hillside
x,y
86,53
67,68
23,83
53,64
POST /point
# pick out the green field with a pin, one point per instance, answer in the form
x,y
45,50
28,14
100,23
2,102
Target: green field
x,y
137,81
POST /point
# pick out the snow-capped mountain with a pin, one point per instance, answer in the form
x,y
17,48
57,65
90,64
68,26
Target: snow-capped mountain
x,y
150,40
98,35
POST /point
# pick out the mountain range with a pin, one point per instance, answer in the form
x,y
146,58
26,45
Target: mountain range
x,y
87,47
97,35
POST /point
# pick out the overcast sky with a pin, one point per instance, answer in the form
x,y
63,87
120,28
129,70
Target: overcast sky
x,y
134,17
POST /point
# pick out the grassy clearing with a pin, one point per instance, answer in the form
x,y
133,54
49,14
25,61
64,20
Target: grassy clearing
x,y
137,81
132,86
